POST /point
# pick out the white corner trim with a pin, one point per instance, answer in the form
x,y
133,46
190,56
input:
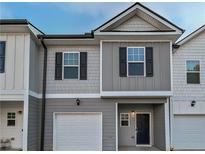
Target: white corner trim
x,y
26,93
116,126
136,93
101,43
167,127
171,66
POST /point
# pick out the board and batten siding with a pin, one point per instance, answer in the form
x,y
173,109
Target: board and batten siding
x,y
111,81
86,105
16,48
65,86
185,93
34,124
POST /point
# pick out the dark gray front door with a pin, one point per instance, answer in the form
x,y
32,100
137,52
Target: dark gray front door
x,y
142,129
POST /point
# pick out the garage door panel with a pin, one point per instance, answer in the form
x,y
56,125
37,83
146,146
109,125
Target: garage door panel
x,y
78,132
189,132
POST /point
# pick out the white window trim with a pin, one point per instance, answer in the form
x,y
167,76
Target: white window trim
x,y
128,119
10,119
144,62
193,71
71,65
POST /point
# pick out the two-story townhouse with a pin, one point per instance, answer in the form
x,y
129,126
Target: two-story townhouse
x,y
188,118
109,89
18,45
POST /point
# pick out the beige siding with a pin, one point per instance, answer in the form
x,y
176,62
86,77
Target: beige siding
x,y
16,46
184,93
91,85
111,81
135,24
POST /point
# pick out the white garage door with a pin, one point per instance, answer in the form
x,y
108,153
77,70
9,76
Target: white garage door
x,y
189,132
78,131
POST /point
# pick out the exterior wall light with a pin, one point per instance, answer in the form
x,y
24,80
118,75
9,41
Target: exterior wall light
x,y
77,101
193,103
133,113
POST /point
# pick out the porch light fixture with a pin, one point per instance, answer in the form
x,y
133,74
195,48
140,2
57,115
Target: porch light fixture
x,y
77,101
193,103
133,113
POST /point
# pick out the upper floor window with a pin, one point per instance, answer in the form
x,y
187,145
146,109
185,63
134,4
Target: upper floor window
x,y
193,71
11,119
2,56
71,65
136,61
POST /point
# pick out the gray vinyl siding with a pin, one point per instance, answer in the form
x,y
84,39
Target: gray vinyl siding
x,y
34,124
86,105
34,67
159,127
111,81
65,86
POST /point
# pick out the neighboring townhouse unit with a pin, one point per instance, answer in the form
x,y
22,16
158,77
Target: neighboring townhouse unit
x,y
110,89
17,44
189,92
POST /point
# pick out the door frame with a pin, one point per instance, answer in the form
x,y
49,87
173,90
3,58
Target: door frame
x,y
54,126
150,129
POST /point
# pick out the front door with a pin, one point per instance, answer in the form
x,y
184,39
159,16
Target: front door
x,y
142,129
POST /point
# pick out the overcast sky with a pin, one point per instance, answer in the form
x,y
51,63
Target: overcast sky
x,y
75,18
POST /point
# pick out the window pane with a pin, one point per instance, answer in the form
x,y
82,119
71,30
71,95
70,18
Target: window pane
x,y
130,58
70,72
124,123
71,59
193,65
141,57
141,50
193,78
136,68
130,51
135,54
11,122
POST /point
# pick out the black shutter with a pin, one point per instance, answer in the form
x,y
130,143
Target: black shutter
x,y
149,61
2,56
123,61
83,65
58,66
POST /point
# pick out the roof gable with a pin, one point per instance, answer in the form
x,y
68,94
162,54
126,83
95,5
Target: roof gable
x,y
153,21
191,35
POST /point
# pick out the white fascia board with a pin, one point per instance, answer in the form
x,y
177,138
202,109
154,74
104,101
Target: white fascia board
x,y
137,33
92,95
136,94
12,97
